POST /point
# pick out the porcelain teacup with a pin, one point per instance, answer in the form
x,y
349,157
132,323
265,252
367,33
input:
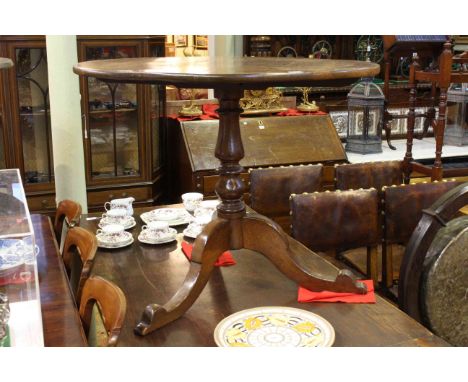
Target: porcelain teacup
x,y
157,230
122,203
111,232
207,207
116,216
192,200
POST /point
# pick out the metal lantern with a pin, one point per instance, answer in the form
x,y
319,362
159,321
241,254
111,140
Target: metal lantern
x,y
365,118
456,126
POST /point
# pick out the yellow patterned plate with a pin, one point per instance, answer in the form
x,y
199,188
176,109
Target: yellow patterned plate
x,y
274,326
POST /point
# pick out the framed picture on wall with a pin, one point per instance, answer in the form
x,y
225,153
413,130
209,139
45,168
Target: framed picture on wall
x,y
200,41
180,41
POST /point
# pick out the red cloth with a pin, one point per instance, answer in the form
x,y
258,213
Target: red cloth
x,y
185,119
224,260
15,278
291,112
211,110
305,295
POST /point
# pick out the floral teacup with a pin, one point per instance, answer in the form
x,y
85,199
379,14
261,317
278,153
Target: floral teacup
x,y
111,232
192,200
116,216
158,230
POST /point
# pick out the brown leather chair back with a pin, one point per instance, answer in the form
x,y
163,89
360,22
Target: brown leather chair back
x,y
337,220
68,212
270,189
368,175
78,257
111,303
403,207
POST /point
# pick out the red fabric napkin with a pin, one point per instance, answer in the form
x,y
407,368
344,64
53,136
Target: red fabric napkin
x,y
291,112
305,295
210,110
224,260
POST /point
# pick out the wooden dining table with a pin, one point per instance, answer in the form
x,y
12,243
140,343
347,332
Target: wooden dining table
x,y
153,273
61,322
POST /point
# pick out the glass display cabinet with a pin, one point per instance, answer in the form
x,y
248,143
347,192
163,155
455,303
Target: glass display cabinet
x,y
122,125
26,141
20,308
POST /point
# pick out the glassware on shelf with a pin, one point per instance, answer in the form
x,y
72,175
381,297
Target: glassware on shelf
x,y
20,312
113,121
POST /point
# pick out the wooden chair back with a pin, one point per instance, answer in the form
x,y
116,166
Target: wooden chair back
x,y
338,221
68,213
368,175
270,189
111,303
78,256
402,208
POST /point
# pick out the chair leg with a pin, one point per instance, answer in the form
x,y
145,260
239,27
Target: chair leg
x,y
372,264
387,265
410,124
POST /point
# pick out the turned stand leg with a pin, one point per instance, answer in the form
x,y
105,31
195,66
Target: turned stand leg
x,y
387,119
234,230
407,167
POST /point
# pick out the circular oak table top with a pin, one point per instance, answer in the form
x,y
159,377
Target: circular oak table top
x,y
219,72
5,63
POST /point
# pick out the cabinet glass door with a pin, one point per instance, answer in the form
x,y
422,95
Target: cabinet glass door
x,y
113,120
34,114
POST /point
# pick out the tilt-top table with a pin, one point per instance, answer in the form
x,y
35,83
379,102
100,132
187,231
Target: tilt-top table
x,y
233,229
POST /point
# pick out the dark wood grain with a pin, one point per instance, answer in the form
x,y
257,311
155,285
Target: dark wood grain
x,y
152,274
60,320
244,72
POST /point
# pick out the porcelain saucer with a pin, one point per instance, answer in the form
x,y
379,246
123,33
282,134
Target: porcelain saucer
x,y
128,223
180,217
103,242
189,233
143,237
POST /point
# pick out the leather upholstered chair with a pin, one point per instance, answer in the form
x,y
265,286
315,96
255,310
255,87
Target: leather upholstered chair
x,y
368,175
338,221
67,215
78,257
270,189
111,304
402,207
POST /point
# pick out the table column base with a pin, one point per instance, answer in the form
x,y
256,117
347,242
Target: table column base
x,y
258,234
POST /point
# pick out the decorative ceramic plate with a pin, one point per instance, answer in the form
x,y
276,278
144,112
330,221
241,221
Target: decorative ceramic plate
x,y
127,239
129,223
182,217
274,326
144,238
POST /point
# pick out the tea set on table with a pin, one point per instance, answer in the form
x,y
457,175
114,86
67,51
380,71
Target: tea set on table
x,y
158,223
